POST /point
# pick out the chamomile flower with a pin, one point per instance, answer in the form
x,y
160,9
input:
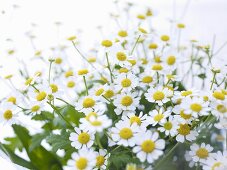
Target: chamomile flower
x,y
81,139
185,133
201,152
147,79
126,102
126,82
178,95
159,95
181,117
36,107
85,159
149,147
219,109
140,120
7,113
216,162
157,116
94,122
87,104
169,126
124,133
101,159
218,95
195,106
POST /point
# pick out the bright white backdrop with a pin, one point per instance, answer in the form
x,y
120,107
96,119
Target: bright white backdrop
x,y
204,20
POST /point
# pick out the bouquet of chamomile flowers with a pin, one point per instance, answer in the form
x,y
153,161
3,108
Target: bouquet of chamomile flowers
x,y
138,100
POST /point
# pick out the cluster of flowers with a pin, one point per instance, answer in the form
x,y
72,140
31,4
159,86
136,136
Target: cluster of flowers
x,y
132,94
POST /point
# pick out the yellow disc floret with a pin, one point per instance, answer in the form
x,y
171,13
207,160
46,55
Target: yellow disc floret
x,y
126,101
126,133
8,114
148,146
88,102
158,95
84,138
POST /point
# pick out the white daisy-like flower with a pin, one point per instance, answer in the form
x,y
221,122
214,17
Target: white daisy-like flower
x,y
124,133
181,117
126,82
201,152
178,95
157,116
81,138
95,122
188,158
101,159
8,113
195,106
218,96
87,104
185,133
147,79
36,107
169,126
140,120
126,102
85,159
217,161
159,95
39,94
219,109
148,146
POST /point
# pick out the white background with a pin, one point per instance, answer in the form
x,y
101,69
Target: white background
x,y
204,19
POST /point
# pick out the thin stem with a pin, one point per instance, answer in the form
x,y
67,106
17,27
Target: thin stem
x,y
137,40
51,61
98,141
108,66
213,80
85,83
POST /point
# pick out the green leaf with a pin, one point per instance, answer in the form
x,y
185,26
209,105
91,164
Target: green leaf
x,y
14,143
44,115
40,157
37,139
59,141
120,160
15,158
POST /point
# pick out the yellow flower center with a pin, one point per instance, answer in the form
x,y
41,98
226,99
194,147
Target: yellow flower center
x,y
186,93
126,101
54,88
132,62
180,25
123,70
142,30
88,102
100,160
157,59
126,133
81,163
12,100
168,125
68,73
58,60
41,96
202,153
71,84
71,38
153,46
96,123
196,107
221,108
158,117
28,81
165,38
144,60
99,92
158,95
135,119
148,146
219,95
109,93
147,79
107,43
84,138
171,60
184,129
8,114
217,164
126,82
35,108
121,56
140,16
123,33
157,67
91,59
185,116
82,71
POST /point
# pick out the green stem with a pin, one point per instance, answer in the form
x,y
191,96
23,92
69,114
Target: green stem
x,y
165,157
85,83
137,40
108,66
213,79
98,140
49,71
